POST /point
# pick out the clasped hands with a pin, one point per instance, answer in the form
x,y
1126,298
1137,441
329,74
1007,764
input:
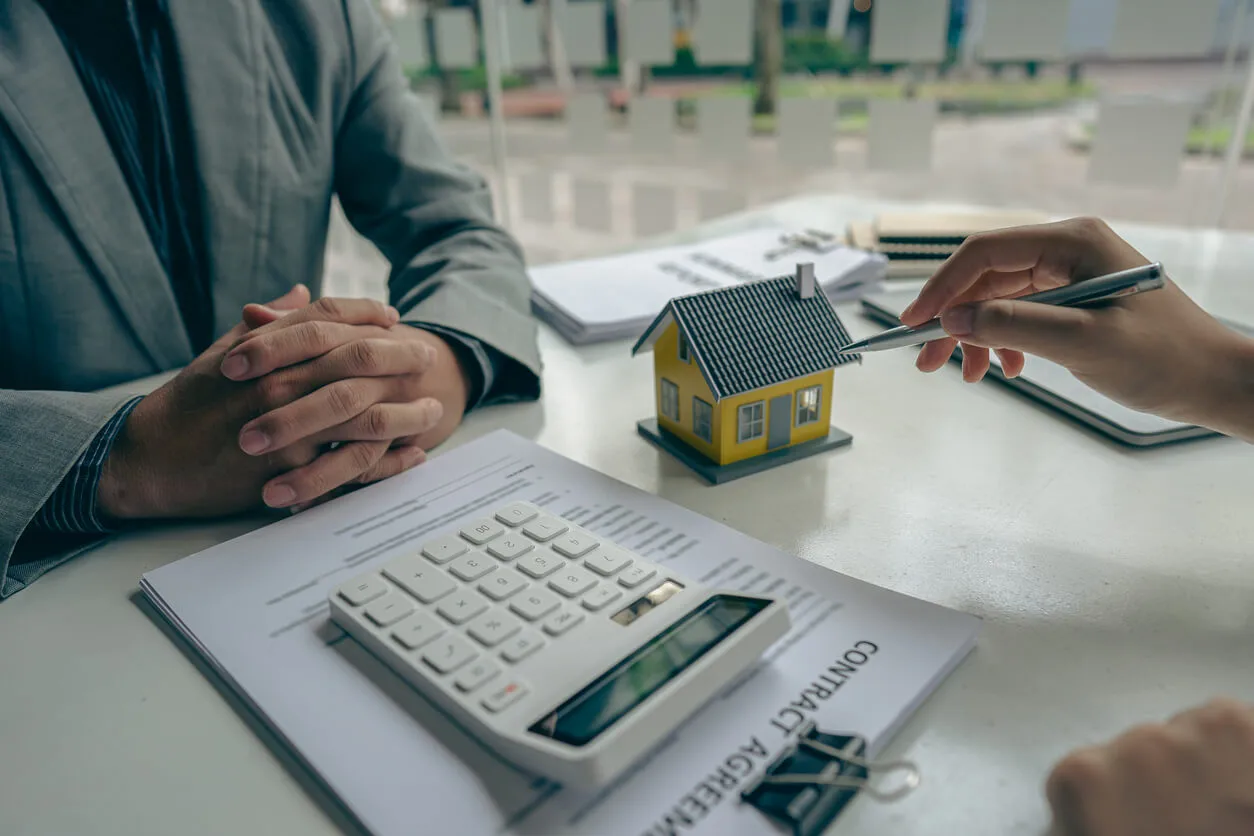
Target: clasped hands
x,y
296,402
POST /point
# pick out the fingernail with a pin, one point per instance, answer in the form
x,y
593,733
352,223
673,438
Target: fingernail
x,y
959,322
235,366
393,314
905,314
254,441
278,496
413,455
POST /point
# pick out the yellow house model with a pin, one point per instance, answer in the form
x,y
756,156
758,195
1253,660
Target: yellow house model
x,y
743,375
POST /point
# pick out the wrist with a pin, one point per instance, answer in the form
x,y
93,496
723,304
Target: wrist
x,y
462,387
458,392
1228,405
126,487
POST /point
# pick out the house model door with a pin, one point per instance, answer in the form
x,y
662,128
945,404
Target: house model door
x,y
779,428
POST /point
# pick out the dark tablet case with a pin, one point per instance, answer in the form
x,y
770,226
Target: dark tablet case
x,y
1056,387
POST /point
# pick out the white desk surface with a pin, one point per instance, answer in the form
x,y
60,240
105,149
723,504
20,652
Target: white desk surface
x,y
1116,586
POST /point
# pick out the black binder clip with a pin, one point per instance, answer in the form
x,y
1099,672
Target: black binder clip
x,y
815,778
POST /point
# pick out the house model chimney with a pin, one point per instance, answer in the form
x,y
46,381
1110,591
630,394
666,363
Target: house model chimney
x,y
805,280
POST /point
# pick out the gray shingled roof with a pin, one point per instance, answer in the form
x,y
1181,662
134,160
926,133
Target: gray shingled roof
x,y
757,334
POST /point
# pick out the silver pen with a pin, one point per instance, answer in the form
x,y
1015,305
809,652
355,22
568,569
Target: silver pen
x,y
1088,292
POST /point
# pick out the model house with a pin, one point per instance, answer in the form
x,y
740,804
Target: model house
x,y
743,375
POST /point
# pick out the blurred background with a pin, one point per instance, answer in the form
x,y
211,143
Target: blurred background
x,y
603,123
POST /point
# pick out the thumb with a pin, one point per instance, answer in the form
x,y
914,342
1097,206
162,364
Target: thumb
x,y
1064,335
256,315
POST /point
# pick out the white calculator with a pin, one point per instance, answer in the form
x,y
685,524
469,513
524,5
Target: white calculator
x,y
564,653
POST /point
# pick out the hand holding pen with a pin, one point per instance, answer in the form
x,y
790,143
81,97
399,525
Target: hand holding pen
x,y
1157,352
1085,293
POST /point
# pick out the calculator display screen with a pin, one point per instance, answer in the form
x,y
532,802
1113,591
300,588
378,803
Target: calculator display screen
x,y
599,706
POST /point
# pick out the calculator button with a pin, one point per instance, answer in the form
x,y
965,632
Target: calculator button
x,y
475,675
521,646
448,653
471,567
363,590
504,696
559,623
635,575
540,563
419,579
535,604
574,544
389,609
492,628
482,531
516,513
417,630
608,560
461,607
572,581
501,585
444,549
544,528
602,595
508,548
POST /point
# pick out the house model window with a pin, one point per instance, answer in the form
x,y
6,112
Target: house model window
x,y
670,400
685,353
809,404
702,420
752,422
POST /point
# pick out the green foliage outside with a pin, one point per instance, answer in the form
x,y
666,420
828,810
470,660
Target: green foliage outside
x,y
969,97
472,81
830,67
1200,140
685,66
1216,139
813,54
803,54
816,54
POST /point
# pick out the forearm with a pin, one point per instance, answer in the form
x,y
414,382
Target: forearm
x,y
459,274
125,490
472,283
453,267
475,361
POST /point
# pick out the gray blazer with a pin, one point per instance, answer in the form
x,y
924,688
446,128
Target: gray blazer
x,y
292,102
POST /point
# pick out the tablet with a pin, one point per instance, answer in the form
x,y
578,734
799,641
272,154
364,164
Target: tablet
x,y
1053,385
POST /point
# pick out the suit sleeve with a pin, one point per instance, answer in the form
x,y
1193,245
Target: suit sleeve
x,y
454,270
46,435
72,508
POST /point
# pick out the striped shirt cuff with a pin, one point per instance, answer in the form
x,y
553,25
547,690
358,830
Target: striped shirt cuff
x,y
72,507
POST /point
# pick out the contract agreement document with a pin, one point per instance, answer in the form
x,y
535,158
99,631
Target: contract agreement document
x,y
859,659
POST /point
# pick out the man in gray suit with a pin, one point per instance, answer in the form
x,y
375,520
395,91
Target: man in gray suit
x,y
165,163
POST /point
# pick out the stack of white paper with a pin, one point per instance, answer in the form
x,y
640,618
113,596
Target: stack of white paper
x,y
858,659
618,296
